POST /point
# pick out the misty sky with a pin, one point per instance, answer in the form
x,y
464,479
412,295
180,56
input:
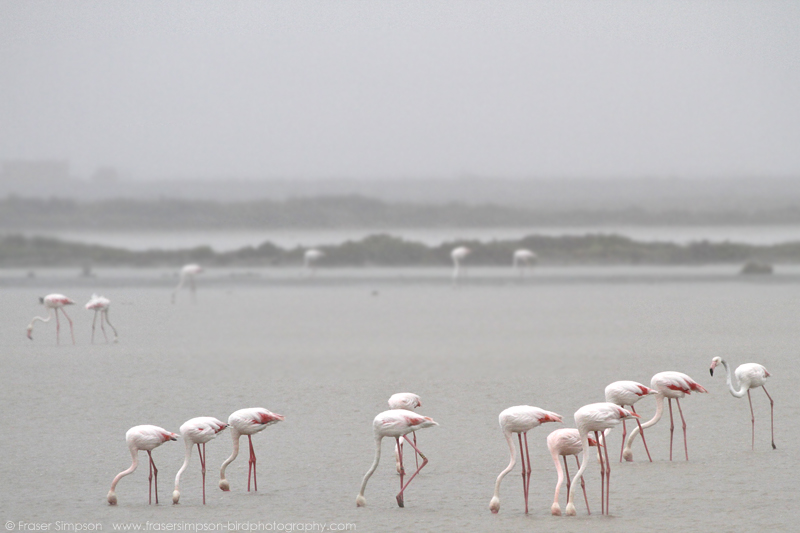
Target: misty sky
x,y
403,89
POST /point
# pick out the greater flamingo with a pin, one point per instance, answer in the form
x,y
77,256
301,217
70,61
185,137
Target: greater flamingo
x,y
458,255
667,385
310,258
197,431
145,438
100,304
628,393
597,417
519,419
188,273
397,423
248,422
561,443
523,259
408,401
749,376
53,302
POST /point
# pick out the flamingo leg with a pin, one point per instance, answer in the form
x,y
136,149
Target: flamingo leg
x,y
105,313
583,486
103,327
608,472
202,454
402,471
71,329
771,416
752,422
58,328
94,321
522,459
566,471
153,474
416,457
424,462
150,481
624,434
528,472
641,432
671,428
683,422
252,464
602,476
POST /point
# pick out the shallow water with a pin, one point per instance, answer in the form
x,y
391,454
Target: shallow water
x,y
328,356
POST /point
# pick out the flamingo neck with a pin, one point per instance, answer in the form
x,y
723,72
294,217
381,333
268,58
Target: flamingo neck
x,y
40,319
626,452
372,468
579,475
729,378
235,435
134,465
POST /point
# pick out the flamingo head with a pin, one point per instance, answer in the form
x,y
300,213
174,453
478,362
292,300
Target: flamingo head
x,y
494,505
361,501
30,332
593,442
112,498
41,299
714,363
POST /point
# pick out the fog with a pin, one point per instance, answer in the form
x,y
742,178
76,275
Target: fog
x,y
365,90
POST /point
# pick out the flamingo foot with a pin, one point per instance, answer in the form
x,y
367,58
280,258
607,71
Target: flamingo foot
x,y
494,505
774,447
555,510
112,498
361,501
400,500
224,485
176,497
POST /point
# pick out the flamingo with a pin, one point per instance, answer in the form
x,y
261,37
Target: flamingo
x,y
563,442
667,385
146,438
395,423
53,302
247,422
458,255
100,304
519,419
197,431
523,259
408,401
749,376
188,272
310,258
628,393
596,417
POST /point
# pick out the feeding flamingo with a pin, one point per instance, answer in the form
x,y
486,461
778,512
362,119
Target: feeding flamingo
x,y
55,303
561,443
100,304
145,438
458,255
519,419
597,417
523,259
310,258
197,431
397,423
247,422
408,401
628,393
749,376
188,273
667,385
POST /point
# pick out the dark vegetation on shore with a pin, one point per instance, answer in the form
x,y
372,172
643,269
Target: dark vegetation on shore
x,y
385,250
26,214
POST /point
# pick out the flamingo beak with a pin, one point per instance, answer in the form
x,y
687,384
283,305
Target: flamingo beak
x,y
30,334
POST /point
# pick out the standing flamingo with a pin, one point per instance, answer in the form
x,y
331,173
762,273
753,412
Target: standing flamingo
x,y
519,419
145,438
247,422
408,401
749,376
523,259
395,423
53,302
561,443
100,304
197,431
628,393
597,417
458,255
188,273
310,258
667,385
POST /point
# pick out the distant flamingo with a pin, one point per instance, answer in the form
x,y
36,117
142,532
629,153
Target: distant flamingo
x,y
247,422
628,393
561,443
100,304
749,376
53,302
197,431
188,273
596,417
310,259
523,259
458,255
397,423
519,419
145,438
408,401
668,385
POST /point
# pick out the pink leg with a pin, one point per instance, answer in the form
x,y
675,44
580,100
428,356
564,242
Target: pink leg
x,y
153,474
71,329
94,322
566,471
671,428
608,472
522,460
771,417
641,432
58,328
150,481
583,486
202,454
752,422
602,475
416,457
252,464
103,327
528,472
402,470
624,434
683,421
424,462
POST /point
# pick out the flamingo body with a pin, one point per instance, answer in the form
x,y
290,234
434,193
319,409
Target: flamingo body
x,y
627,393
100,305
188,273
248,422
145,438
458,255
197,431
408,401
523,259
563,443
54,303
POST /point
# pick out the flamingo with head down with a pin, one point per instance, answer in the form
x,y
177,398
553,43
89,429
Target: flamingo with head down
x,y
55,303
